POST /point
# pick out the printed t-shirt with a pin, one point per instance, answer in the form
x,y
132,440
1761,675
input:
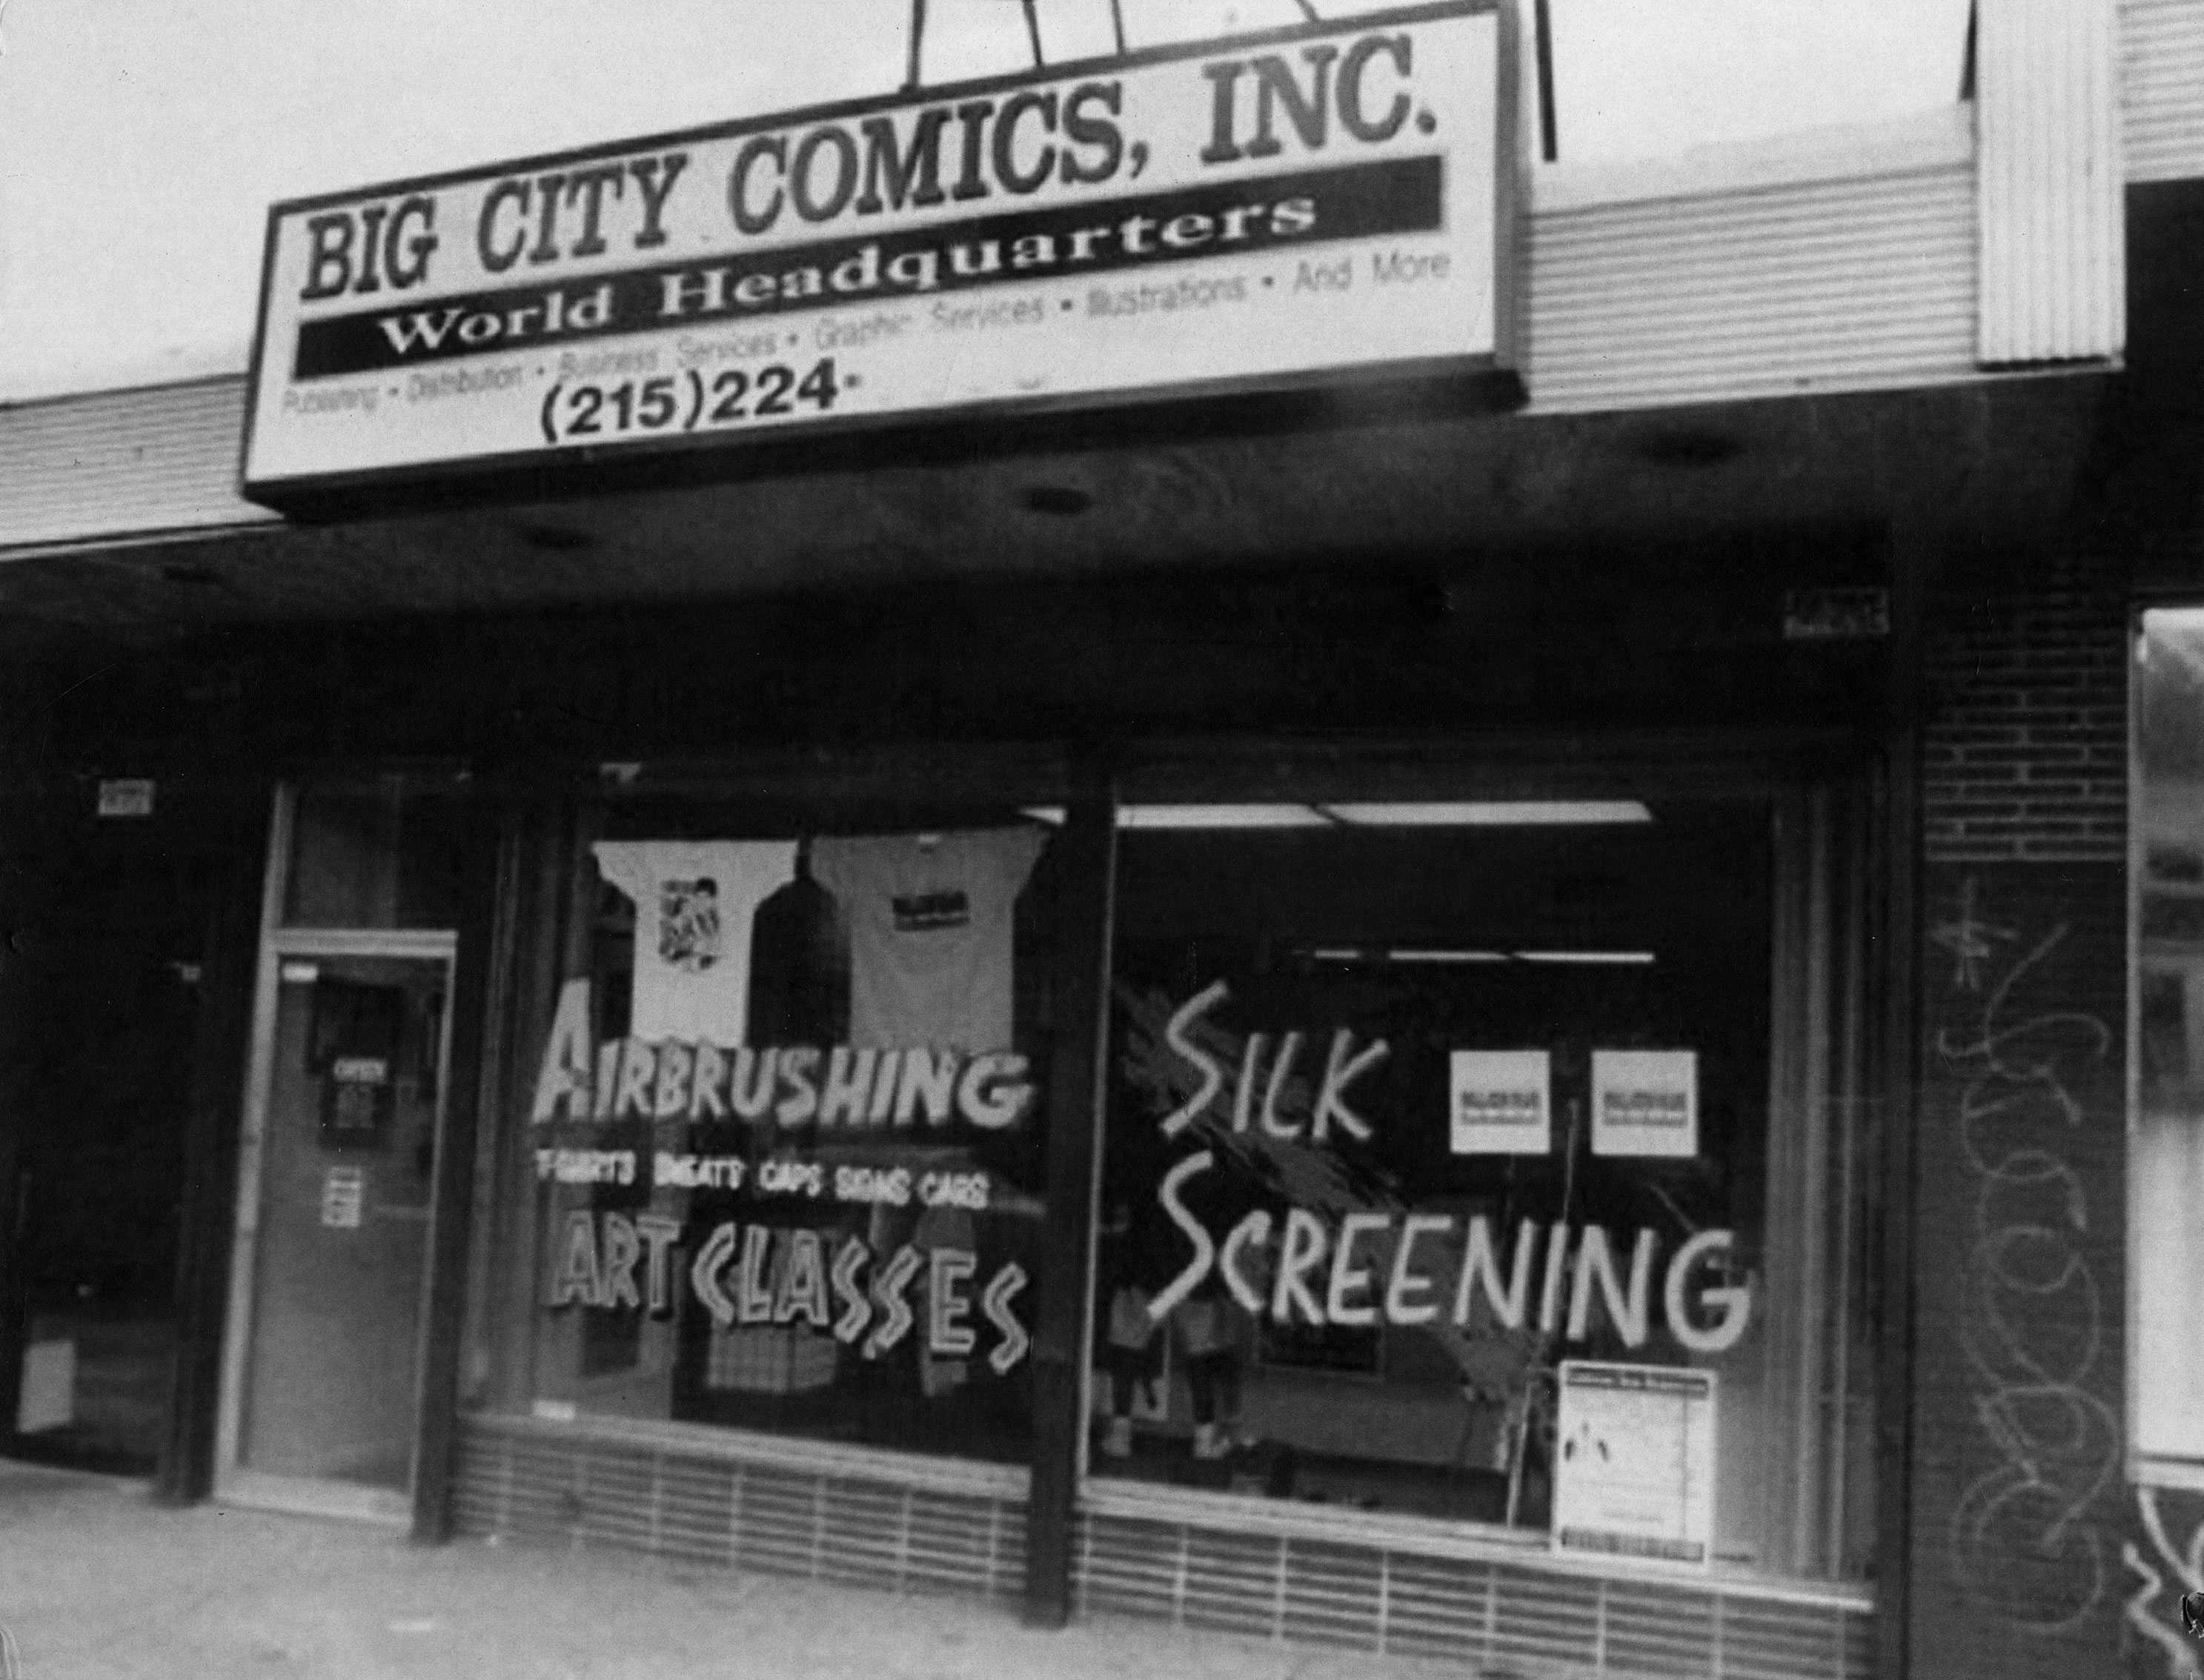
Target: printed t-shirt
x,y
694,904
931,919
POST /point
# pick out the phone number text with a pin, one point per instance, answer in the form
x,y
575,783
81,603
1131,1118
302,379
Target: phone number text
x,y
688,402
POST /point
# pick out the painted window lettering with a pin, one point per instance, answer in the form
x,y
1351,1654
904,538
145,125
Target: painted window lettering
x,y
1364,1266
830,1282
790,1085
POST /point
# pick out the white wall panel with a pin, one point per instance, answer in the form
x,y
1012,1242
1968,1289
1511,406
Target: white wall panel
x,y
2053,237
2162,88
123,464
1828,285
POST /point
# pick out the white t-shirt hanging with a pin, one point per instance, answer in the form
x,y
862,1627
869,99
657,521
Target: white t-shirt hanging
x,y
931,917
694,904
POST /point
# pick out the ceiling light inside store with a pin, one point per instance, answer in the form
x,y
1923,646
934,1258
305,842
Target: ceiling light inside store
x,y
1221,816
1634,958
1493,813
1413,954
1457,813
1439,955
1201,816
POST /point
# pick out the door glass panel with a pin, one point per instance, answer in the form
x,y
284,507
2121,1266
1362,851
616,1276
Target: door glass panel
x,y
384,858
349,1155
107,1007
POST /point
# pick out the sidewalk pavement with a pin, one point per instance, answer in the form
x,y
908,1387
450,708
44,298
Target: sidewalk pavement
x,y
97,1583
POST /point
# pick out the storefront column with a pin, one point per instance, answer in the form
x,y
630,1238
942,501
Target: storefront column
x,y
2015,1475
1913,563
486,882
185,1471
18,885
1074,1108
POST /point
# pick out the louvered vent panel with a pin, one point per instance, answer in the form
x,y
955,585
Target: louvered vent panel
x,y
1826,285
123,463
1651,1632
776,1519
695,1513
1234,1589
614,1489
1488,1619
2162,89
1328,1593
572,1488
861,1534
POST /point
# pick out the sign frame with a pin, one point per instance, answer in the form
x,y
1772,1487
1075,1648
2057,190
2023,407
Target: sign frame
x,y
1152,412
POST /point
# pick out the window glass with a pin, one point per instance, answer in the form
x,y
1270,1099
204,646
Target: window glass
x,y
787,1131
1446,1177
384,857
2166,1144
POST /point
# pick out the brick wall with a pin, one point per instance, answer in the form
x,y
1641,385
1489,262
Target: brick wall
x,y
2018,1496
2025,747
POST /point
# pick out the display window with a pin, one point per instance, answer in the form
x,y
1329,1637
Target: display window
x,y
786,1126
2166,1139
1496,1164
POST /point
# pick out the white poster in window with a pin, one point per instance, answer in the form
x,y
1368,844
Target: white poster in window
x,y
1634,1462
344,1194
1645,1103
1500,1102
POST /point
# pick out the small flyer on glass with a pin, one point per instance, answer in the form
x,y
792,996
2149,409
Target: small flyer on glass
x,y
1634,1462
1500,1102
1645,1103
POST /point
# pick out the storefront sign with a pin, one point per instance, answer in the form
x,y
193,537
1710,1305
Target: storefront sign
x,y
1634,1462
1645,1103
1502,1101
1277,210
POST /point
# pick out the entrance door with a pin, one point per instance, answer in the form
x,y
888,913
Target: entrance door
x,y
95,1065
322,1371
